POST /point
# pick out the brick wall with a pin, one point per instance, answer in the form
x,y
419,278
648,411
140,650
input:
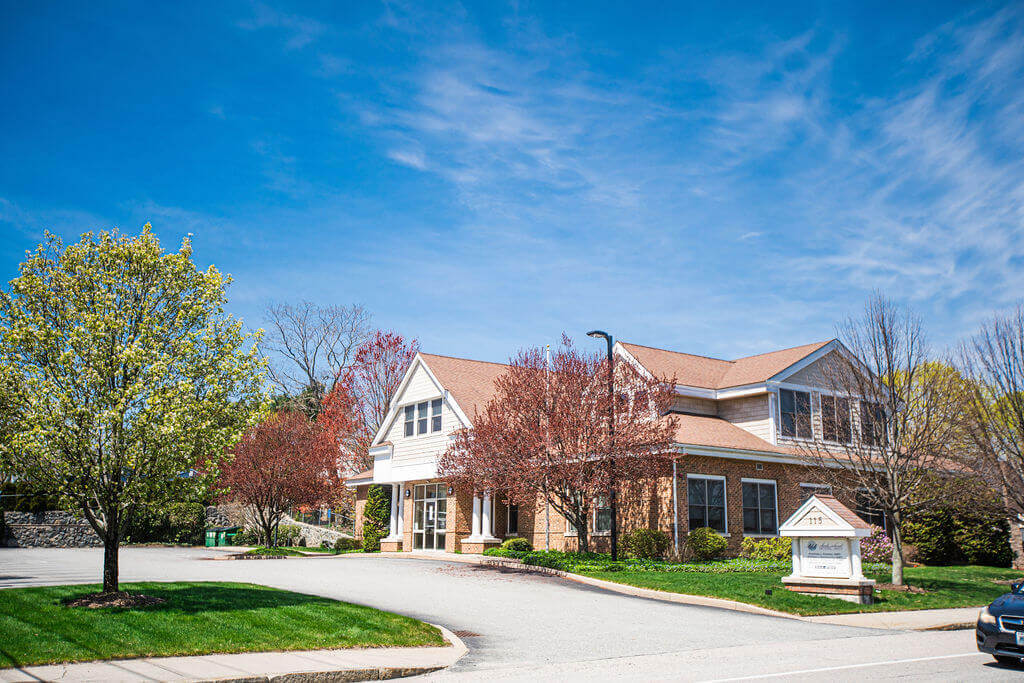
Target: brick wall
x,y
643,504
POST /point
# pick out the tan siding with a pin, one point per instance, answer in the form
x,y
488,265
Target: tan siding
x,y
749,413
812,375
701,406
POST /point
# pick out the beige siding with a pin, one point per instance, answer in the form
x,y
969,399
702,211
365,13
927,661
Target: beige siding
x,y
812,375
701,406
749,413
425,448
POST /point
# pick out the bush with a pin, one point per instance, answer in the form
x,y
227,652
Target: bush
x,y
371,538
877,547
346,544
376,517
517,545
944,538
247,536
767,548
646,544
175,523
705,543
543,559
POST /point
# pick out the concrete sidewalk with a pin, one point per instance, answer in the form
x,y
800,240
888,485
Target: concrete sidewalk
x,y
365,664
912,620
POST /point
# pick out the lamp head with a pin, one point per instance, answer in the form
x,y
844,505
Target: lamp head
x,y
597,333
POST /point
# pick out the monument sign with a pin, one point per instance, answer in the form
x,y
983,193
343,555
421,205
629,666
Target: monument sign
x,y
826,551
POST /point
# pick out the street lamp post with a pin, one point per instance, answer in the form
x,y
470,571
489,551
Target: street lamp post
x,y
611,439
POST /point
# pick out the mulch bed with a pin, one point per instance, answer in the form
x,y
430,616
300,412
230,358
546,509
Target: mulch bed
x,y
122,599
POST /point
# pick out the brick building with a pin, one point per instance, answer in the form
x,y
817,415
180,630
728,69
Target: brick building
x,y
738,468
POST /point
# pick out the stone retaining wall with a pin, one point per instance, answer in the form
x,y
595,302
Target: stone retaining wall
x,y
53,529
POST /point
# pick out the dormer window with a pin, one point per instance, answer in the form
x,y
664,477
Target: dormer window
x,y
410,420
435,415
795,414
421,418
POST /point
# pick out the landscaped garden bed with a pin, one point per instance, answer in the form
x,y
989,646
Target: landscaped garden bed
x,y
758,582
191,619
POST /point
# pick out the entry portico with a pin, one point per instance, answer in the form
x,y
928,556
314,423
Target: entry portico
x,y
433,401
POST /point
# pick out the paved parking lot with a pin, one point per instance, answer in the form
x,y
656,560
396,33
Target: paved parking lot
x,y
538,627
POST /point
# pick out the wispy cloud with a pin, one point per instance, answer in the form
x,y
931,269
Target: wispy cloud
x,y
299,30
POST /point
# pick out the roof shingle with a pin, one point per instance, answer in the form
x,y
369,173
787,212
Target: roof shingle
x,y
716,373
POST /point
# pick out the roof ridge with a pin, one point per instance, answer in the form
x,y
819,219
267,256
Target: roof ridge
x,y
471,360
788,348
681,353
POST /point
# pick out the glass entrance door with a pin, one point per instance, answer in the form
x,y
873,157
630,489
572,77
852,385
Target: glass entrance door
x,y
430,507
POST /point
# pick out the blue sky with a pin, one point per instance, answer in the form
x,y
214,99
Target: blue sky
x,y
722,179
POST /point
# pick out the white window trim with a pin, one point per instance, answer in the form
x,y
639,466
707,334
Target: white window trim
x,y
400,409
776,485
508,517
593,523
725,499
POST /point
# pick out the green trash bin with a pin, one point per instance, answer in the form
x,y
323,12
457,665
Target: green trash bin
x,y
229,535
211,538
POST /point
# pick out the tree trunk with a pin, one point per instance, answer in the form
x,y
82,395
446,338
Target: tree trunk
x,y
897,551
111,542
582,540
268,534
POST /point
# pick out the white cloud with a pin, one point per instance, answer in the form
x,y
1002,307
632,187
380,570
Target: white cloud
x,y
409,157
300,30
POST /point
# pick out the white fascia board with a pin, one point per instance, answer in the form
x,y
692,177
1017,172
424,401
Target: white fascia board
x,y
722,394
806,361
619,349
385,425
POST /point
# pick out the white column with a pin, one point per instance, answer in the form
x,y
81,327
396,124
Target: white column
x,y
396,493
488,529
855,565
476,516
400,527
797,568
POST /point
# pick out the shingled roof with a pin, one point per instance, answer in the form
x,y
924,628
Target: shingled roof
x,y
716,373
471,382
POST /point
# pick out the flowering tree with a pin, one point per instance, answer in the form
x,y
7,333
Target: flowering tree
x,y
282,463
546,433
128,376
358,402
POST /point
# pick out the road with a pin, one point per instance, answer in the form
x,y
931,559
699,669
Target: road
x,y
522,626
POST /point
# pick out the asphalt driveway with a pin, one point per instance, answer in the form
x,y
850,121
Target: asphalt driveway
x,y
517,622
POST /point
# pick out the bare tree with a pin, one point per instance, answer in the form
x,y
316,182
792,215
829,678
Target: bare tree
x,y
889,416
993,359
313,345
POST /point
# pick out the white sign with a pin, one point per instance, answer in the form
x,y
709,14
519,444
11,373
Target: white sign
x,y
825,557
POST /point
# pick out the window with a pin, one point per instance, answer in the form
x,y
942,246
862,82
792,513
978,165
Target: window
x,y
421,418
835,419
512,520
435,415
809,490
796,413
410,419
706,499
759,508
602,515
868,512
872,423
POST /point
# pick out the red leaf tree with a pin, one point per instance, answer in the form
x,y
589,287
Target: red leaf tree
x,y
282,463
356,406
546,433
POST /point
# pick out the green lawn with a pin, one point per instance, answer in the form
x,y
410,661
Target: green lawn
x,y
945,586
196,618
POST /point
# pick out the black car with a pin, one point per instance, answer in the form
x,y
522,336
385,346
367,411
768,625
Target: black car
x,y
1000,629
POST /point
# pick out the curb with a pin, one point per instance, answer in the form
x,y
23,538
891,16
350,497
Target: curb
x,y
381,673
366,673
648,593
